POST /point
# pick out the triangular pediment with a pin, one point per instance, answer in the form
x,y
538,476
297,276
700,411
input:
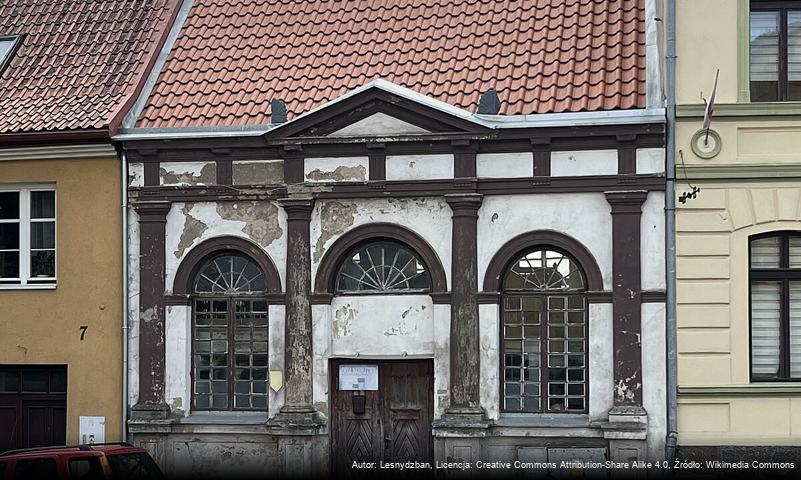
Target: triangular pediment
x,y
379,109
379,124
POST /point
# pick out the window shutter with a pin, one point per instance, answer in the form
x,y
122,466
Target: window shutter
x,y
795,329
764,63
764,46
794,54
765,253
765,331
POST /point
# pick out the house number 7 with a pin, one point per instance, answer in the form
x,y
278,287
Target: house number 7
x,y
83,331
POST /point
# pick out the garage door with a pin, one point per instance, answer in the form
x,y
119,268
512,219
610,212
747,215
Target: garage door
x,y
33,406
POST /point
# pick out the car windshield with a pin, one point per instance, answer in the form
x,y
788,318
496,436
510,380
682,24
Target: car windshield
x,y
136,466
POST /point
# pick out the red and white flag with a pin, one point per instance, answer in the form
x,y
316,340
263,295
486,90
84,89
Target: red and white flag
x,y
710,104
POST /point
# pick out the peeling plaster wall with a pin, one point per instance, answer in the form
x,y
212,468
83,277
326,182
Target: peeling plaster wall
x,y
133,306
258,172
490,359
584,162
419,167
582,216
321,351
428,217
277,321
178,358
652,242
378,124
387,327
650,160
653,375
442,358
504,165
188,224
340,169
601,361
136,174
187,173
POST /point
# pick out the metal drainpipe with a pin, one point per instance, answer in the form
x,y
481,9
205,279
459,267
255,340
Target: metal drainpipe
x,y
670,238
124,206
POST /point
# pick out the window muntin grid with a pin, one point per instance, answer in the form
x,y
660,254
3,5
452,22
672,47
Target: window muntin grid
x,y
230,275
383,266
27,236
544,335
230,342
544,269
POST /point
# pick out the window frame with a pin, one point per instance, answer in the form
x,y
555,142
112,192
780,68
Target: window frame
x,y
231,338
782,8
783,275
17,42
24,280
544,339
376,241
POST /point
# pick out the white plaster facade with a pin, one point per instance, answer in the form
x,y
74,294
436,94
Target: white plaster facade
x,y
419,167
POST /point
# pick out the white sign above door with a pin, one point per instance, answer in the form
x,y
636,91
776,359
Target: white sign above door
x,y
358,377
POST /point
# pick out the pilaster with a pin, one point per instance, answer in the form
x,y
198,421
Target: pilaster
x,y
298,416
458,432
152,232
626,296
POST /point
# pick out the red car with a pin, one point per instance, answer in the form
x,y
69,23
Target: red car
x,y
87,462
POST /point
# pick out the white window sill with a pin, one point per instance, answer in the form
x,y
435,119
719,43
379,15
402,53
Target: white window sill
x,y
544,420
29,287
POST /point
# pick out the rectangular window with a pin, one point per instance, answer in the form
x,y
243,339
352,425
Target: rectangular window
x,y
27,236
775,271
775,45
7,47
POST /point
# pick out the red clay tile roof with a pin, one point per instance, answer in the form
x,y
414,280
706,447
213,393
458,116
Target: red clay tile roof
x,y
234,56
80,61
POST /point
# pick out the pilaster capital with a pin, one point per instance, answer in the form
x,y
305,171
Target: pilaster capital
x,y
151,211
298,209
626,201
464,204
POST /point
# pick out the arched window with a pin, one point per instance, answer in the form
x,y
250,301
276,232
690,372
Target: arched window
x,y
382,267
229,335
775,281
544,334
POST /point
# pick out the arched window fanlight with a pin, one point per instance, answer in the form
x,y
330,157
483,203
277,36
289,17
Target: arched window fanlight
x,y
383,266
230,275
544,269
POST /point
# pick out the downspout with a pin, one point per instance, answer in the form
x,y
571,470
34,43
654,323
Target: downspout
x,y
670,238
124,206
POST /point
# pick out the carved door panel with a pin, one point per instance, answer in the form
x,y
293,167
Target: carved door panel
x,y
395,422
408,410
355,437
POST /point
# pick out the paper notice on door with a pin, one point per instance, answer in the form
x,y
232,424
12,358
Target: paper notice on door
x,y
358,377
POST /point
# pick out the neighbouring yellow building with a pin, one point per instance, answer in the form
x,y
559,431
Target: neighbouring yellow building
x,y
68,72
739,237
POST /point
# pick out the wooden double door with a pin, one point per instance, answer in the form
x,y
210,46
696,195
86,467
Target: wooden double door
x,y
33,406
392,423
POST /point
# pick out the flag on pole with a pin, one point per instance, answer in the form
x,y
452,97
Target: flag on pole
x,y
710,104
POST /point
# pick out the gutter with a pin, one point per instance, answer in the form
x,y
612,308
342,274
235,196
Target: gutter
x,y
671,346
124,207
